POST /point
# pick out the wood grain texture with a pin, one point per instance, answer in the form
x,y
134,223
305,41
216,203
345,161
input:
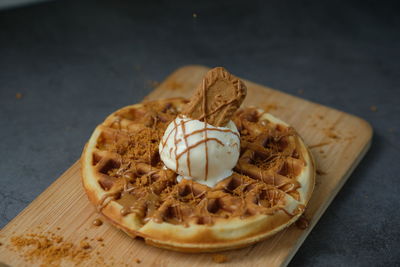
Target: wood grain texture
x,y
338,141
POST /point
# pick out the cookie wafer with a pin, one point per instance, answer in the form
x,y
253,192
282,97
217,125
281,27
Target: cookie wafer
x,y
217,98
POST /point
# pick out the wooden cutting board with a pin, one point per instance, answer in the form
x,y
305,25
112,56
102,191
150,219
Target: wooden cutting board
x,y
337,140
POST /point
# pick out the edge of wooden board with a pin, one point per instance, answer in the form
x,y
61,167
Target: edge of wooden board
x,y
45,192
321,211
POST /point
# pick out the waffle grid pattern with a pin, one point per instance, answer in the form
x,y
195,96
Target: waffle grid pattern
x,y
129,170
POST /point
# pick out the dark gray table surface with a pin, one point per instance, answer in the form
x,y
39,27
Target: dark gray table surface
x,y
74,62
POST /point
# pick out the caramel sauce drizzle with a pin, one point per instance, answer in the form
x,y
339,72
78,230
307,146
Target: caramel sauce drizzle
x,y
187,148
97,222
213,129
164,142
198,143
205,126
104,200
176,151
205,140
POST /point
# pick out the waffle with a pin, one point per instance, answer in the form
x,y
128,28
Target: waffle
x,y
124,177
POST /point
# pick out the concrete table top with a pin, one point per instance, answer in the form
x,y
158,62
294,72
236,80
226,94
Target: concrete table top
x,y
65,65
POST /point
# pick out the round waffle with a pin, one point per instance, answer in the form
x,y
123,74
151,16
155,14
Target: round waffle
x,y
124,177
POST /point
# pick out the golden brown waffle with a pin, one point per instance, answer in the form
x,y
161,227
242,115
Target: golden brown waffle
x,y
124,177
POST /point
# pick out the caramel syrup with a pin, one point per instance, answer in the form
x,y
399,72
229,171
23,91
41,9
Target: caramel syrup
x,y
97,222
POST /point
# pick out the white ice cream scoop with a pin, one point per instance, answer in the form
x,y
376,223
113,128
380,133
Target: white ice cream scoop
x,y
200,151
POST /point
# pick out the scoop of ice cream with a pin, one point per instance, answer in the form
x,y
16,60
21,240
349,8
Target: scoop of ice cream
x,y
200,151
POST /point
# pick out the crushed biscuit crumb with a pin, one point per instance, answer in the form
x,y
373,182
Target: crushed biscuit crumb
x,y
58,239
50,250
97,222
302,223
219,258
269,107
18,95
373,108
84,245
330,132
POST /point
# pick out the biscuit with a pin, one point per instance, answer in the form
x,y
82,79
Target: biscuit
x,y
217,98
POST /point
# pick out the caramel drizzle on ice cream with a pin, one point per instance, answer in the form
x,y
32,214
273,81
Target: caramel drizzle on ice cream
x,y
205,126
205,140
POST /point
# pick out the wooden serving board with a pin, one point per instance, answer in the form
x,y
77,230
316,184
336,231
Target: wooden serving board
x,y
337,140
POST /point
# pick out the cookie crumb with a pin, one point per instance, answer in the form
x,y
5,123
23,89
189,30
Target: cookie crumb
x,y
85,245
330,132
97,222
58,239
373,108
138,261
219,258
300,91
48,249
302,222
194,15
269,107
18,95
100,239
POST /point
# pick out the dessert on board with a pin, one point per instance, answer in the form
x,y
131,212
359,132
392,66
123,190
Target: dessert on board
x,y
198,175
